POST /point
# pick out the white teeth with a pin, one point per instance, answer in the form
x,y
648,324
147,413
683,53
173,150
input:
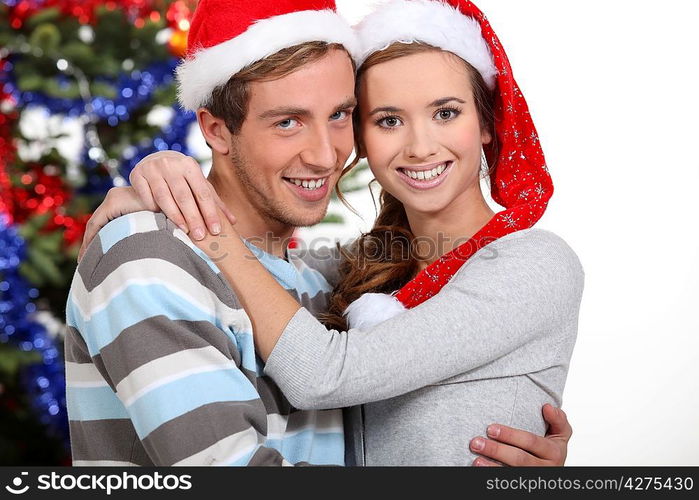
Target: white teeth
x,y
312,184
426,174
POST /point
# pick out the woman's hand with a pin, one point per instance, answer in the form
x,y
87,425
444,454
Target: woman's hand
x,y
174,183
119,201
227,243
167,181
254,287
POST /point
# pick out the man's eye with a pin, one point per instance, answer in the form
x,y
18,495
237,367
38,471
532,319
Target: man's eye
x,y
339,115
287,124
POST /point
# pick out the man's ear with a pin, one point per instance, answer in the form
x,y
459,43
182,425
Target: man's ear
x,y
215,132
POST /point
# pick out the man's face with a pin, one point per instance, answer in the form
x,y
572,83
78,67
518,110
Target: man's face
x,y
295,140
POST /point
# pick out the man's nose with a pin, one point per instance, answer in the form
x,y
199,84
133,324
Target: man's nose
x,y
320,150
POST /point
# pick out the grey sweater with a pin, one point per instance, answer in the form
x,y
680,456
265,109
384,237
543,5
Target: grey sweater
x,y
493,346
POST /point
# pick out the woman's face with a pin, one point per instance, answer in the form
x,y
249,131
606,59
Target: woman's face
x,y
421,132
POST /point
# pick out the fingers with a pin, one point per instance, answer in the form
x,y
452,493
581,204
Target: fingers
x,y
176,185
165,202
484,462
533,444
187,205
205,199
140,185
520,448
148,179
117,202
156,161
503,453
558,422
94,224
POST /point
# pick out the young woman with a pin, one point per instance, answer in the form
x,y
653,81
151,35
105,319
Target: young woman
x,y
458,316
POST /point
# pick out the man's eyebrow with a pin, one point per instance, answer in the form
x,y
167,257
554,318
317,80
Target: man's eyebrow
x,y
284,111
351,102
444,100
305,113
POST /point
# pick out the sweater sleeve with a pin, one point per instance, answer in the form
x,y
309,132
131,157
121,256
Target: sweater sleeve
x,y
504,313
150,312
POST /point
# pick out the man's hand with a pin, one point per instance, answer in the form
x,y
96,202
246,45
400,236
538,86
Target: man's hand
x,y
508,446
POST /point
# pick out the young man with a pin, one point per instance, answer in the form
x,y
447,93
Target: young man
x,y
161,367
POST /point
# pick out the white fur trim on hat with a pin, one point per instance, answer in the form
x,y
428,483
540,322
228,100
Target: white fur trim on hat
x,y
432,22
370,309
199,75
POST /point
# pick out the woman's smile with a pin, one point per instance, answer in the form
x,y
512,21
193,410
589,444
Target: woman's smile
x,y
425,177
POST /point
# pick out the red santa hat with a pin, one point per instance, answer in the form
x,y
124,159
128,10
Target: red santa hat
x,y
227,35
520,183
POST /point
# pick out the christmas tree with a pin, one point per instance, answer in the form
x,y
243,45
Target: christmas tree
x,y
86,91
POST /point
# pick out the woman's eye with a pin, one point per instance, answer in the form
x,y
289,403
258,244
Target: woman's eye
x,y
447,114
389,122
287,124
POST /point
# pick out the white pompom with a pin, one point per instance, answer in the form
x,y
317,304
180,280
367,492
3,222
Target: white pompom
x,y
371,309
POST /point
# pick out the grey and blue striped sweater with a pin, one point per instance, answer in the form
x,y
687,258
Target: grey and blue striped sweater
x,y
160,361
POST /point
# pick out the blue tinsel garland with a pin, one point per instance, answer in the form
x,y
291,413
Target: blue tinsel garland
x,y
44,381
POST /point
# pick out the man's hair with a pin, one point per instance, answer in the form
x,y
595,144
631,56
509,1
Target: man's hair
x,y
230,101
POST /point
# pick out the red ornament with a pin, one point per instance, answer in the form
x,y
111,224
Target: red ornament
x,y
75,229
179,14
42,191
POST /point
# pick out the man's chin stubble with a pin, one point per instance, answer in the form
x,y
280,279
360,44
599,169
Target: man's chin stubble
x,y
291,220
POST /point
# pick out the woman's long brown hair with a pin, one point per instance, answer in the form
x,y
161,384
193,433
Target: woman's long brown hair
x,y
385,258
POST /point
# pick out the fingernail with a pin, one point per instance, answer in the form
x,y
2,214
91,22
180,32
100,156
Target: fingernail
x,y
216,228
477,444
478,462
198,234
493,431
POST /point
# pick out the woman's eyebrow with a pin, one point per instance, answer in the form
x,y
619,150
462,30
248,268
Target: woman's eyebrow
x,y
434,104
385,109
444,100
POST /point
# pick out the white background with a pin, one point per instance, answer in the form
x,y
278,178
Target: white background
x,y
613,88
